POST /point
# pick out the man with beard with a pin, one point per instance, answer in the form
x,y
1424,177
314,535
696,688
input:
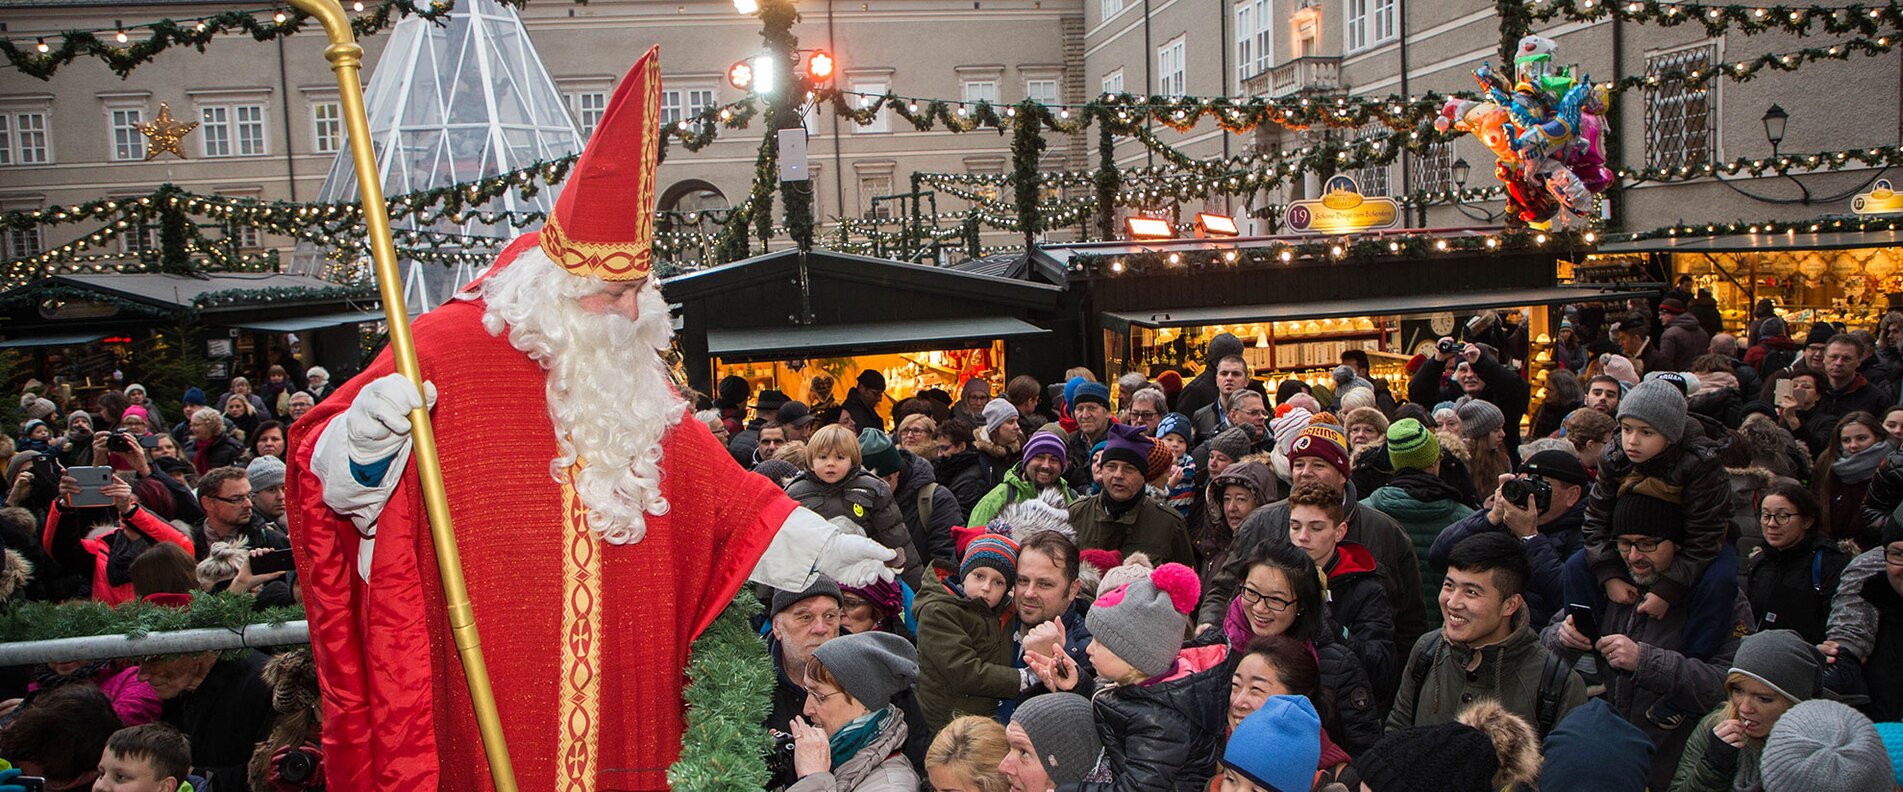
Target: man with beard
x,y
613,537
798,622
1040,471
1650,678
1602,394
1049,614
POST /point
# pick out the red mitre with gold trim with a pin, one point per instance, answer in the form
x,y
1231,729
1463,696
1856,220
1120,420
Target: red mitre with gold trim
x,y
603,224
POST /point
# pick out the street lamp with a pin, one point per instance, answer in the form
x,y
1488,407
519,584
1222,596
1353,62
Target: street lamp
x,y
1774,121
1461,171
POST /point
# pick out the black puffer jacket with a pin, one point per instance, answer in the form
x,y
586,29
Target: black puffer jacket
x,y
964,474
1693,466
933,538
1357,601
1884,495
1791,589
1167,735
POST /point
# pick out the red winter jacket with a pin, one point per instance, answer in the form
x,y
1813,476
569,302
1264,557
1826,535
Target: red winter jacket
x,y
141,520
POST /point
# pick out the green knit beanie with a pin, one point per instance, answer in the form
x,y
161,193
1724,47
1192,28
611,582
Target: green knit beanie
x,y
1411,446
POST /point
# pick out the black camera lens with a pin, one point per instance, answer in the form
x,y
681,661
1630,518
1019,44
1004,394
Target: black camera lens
x,y
1447,346
120,442
297,767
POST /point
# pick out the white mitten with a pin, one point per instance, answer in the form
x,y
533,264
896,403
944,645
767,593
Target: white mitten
x,y
855,560
377,423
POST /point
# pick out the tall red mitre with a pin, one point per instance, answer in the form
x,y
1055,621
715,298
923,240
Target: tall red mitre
x,y
603,225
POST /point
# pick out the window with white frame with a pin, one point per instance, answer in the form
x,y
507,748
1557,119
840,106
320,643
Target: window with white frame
x,y
232,130
1113,82
874,185
1171,71
141,237
1371,22
1433,171
1680,119
677,105
1254,35
23,138
976,91
870,92
327,127
22,242
1041,91
589,105
127,144
1112,8
1373,179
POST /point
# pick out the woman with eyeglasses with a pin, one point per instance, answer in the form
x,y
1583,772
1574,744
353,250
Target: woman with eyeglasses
x,y
1281,594
1858,446
851,736
1791,578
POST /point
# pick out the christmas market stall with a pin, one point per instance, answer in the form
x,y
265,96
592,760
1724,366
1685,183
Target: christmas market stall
x,y
785,320
96,329
1298,302
1833,269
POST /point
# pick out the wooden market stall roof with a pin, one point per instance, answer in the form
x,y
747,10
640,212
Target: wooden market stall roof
x,y
1758,243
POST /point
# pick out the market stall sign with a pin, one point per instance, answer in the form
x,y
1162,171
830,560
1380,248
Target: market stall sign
x,y
1880,200
1342,209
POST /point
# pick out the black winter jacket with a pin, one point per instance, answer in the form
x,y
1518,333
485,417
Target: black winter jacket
x,y
934,539
1504,388
1691,465
1359,604
965,475
1883,497
1373,470
1791,589
1165,736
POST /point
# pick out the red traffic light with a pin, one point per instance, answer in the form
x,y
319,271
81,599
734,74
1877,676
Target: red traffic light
x,y
820,66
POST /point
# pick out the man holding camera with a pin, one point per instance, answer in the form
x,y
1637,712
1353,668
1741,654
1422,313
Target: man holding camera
x,y
1544,506
1478,374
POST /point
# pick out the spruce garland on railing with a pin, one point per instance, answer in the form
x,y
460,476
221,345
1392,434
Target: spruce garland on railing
x,y
729,695
46,621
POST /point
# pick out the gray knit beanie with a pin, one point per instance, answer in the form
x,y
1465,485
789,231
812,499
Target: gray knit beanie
x,y
1233,442
1824,744
1143,623
996,412
1478,417
1658,403
265,472
1783,661
1063,729
871,667
821,586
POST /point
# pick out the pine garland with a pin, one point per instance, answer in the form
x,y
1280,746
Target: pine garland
x,y
45,621
729,695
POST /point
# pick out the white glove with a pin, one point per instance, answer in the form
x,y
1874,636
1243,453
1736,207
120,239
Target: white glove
x,y
855,560
377,423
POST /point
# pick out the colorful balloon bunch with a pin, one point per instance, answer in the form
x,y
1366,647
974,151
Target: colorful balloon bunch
x,y
1547,128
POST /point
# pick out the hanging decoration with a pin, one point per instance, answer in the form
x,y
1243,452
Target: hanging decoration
x,y
1820,225
1419,246
165,134
1868,20
1546,127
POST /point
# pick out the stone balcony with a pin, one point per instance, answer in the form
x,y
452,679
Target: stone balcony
x,y
1314,74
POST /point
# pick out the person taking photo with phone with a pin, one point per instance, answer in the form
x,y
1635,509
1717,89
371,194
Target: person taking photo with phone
x,y
73,535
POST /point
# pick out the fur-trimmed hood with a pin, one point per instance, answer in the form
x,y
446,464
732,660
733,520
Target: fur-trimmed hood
x,y
1514,741
1451,443
995,450
17,574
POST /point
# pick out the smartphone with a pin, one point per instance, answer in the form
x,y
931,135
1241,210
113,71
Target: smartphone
x,y
149,441
1584,621
92,485
274,561
1783,391
30,783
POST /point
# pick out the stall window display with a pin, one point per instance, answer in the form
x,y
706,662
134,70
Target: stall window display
x,y
1847,286
822,382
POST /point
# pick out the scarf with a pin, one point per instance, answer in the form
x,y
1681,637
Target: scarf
x,y
1859,467
1117,508
1235,624
855,734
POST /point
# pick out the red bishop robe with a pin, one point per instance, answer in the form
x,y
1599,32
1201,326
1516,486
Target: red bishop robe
x,y
586,642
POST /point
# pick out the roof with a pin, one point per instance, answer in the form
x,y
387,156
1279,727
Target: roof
x,y
297,324
829,340
179,291
1059,256
878,272
1757,243
1419,303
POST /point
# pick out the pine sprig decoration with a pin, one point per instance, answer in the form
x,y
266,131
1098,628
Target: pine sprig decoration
x,y
729,694
45,621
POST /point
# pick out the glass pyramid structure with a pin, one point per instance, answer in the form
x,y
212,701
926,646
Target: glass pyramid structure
x,y
450,104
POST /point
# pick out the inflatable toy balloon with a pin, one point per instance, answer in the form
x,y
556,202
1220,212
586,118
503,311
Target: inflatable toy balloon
x,y
1545,127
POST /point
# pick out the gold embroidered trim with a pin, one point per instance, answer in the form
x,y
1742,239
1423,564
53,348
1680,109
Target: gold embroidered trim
x,y
578,719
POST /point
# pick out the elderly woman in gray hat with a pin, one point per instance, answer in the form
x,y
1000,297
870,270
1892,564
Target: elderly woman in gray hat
x,y
852,737
1772,672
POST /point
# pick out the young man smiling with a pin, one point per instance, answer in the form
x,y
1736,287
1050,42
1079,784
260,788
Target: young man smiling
x,y
1485,650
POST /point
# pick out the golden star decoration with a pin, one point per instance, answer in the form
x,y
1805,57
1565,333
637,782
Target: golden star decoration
x,y
165,133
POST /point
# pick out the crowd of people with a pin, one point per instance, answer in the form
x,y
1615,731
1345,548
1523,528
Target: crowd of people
x,y
1670,565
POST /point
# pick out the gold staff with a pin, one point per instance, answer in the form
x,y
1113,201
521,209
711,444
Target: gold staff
x,y
346,59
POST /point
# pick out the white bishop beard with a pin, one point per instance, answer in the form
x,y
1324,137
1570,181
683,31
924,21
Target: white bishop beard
x,y
609,395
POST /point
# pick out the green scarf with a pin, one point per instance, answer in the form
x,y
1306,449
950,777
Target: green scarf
x,y
855,734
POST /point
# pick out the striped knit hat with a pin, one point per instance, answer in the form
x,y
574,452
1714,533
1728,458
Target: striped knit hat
x,y
982,549
1411,446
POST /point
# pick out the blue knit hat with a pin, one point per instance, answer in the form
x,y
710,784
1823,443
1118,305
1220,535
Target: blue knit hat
x,y
996,551
1176,424
1090,392
1070,391
1278,746
194,395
